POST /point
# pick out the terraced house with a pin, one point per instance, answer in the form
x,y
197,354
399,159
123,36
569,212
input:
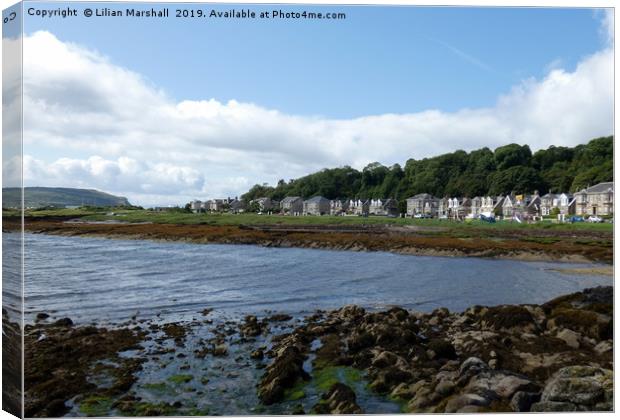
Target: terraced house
x,y
562,202
422,204
387,207
597,200
338,207
459,208
521,206
316,206
359,207
265,203
292,205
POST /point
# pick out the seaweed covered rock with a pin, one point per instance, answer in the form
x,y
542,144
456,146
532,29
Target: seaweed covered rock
x,y
508,317
59,360
579,388
442,349
340,399
252,327
282,373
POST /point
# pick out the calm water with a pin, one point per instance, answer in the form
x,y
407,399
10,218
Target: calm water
x,y
102,280
110,281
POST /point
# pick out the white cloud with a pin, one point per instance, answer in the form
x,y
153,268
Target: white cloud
x,y
91,123
607,26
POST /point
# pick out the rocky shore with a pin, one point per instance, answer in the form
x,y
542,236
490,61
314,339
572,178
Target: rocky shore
x,y
552,357
520,244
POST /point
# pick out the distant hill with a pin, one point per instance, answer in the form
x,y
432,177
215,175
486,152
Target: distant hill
x,y
59,197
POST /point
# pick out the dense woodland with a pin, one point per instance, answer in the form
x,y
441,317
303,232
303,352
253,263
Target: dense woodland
x,y
508,168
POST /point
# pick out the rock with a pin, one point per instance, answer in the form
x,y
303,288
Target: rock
x,y
604,347
493,363
41,316
450,366
423,397
359,341
257,354
403,391
282,373
340,399
507,386
470,409
389,378
522,401
471,367
63,322
385,359
588,323
508,317
552,406
583,385
456,403
279,318
220,350
570,337
251,327
351,312
56,408
442,349
298,410
445,388
434,321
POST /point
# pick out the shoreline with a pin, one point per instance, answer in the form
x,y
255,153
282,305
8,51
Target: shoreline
x,y
425,243
501,358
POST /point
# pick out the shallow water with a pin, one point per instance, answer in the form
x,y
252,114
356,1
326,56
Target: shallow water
x,y
103,280
106,281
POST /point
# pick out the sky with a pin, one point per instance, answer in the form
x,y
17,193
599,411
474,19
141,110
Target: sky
x,y
165,111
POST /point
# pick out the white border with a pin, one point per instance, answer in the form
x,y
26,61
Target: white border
x,y
464,3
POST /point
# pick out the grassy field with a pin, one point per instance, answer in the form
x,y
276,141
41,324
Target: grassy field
x,y
224,219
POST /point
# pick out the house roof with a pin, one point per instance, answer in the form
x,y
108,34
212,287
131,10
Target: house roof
x,y
287,200
600,188
422,196
316,199
236,202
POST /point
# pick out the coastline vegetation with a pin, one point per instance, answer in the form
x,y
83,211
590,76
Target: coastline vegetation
x,y
89,214
482,172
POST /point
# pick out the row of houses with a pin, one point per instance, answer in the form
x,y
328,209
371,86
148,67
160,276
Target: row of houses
x,y
297,206
596,200
217,205
319,206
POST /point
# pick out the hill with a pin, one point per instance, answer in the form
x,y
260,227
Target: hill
x,y
35,197
480,172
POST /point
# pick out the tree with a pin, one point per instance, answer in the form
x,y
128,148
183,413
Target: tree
x,y
480,172
512,155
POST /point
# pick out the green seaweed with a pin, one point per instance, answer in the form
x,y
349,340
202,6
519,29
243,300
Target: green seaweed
x,y
157,386
96,406
326,377
296,392
180,379
204,411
